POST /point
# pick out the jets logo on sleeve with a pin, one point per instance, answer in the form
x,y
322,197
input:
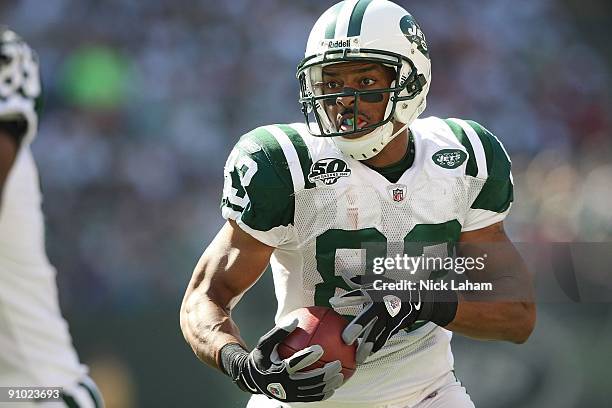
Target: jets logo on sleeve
x,y
449,158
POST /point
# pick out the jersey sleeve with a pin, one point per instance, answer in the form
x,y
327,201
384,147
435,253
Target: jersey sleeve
x,y
258,191
489,168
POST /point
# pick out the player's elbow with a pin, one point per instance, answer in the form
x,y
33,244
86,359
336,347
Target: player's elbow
x,y
521,335
525,324
184,319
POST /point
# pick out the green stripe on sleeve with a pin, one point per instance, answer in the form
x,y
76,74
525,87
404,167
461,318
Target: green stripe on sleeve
x,y
471,168
302,152
262,180
498,191
275,154
354,28
272,203
498,164
330,29
496,195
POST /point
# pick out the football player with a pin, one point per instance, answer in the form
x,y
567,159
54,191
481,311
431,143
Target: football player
x,y
362,179
35,345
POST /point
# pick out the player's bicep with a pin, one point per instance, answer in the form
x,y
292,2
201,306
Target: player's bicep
x,y
492,245
231,264
503,264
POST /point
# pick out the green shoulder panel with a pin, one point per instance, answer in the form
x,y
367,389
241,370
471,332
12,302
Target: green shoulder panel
x,y
302,152
258,183
497,192
471,168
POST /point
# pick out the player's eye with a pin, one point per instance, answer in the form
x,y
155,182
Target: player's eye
x,y
332,85
368,82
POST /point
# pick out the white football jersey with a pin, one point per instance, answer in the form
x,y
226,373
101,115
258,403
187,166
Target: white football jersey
x,y
326,213
35,345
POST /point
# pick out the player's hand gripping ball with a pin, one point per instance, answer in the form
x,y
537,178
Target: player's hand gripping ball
x,y
322,326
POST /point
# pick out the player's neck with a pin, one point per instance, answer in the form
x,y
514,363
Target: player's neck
x,y
393,152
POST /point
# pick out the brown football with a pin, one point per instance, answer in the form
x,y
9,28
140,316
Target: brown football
x,y
322,326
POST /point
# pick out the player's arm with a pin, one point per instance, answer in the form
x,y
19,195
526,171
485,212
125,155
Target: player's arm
x,y
508,311
258,204
255,200
231,264
12,131
8,152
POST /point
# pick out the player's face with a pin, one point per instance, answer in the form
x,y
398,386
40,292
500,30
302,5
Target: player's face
x,y
360,76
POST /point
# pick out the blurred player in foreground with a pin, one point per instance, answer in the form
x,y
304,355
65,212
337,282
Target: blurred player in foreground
x,y
35,345
362,179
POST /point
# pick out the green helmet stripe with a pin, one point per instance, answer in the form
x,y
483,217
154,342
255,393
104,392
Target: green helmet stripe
x,y
330,30
471,168
354,28
302,152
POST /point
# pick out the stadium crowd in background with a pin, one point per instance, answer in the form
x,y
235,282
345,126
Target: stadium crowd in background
x,y
143,101
165,89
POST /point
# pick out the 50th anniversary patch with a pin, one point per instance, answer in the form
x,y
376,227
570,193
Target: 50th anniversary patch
x,y
328,171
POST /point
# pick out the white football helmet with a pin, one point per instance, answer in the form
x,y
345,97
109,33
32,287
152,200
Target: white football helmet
x,y
20,87
371,31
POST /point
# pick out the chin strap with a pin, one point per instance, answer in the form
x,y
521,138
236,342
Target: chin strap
x,y
368,146
398,132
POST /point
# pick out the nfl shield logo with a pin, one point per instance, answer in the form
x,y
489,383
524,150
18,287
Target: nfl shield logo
x,y
397,192
393,304
277,390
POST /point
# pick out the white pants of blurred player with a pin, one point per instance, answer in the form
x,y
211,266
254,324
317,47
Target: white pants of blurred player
x,y
84,394
445,392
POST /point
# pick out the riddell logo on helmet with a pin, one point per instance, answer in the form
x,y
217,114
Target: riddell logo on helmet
x,y
339,44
